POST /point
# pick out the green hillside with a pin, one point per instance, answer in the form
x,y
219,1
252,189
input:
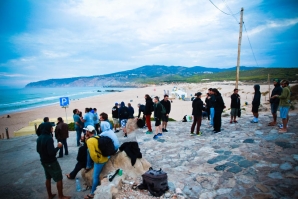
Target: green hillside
x,y
258,75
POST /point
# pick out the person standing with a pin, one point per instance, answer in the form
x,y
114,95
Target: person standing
x,y
47,152
256,103
211,98
157,117
123,117
165,117
274,102
61,134
131,111
219,106
78,127
284,105
95,155
88,117
41,126
197,108
235,105
81,158
96,120
148,111
207,102
115,116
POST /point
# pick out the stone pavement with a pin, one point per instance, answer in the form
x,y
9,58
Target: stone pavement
x,y
244,161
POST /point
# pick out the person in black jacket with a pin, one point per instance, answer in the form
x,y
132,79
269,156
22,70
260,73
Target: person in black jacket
x,y
165,117
211,102
235,105
141,110
47,152
81,158
274,102
41,126
157,117
207,103
115,116
148,112
123,117
197,108
131,111
219,106
256,103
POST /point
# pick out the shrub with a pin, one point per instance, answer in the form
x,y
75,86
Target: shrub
x,y
170,119
71,126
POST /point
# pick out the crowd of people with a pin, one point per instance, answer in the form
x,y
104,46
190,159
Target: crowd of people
x,y
90,126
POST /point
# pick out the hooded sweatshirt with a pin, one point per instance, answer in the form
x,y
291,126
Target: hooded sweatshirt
x,y
276,91
123,111
257,96
45,145
106,131
148,106
219,104
197,107
285,100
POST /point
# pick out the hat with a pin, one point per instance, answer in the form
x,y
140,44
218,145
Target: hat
x,y
198,94
89,128
116,104
276,80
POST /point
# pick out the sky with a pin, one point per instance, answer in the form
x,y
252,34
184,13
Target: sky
x,y
68,38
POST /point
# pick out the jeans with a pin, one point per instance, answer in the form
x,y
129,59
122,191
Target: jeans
x,y
77,168
197,120
96,173
96,126
79,132
89,161
63,141
211,116
148,122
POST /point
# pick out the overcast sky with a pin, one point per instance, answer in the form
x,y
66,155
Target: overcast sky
x,y
66,38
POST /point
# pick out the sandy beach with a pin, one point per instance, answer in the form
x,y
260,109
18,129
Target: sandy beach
x,y
104,103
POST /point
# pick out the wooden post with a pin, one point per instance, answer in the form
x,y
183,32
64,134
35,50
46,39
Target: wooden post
x,y
35,126
269,85
7,134
239,47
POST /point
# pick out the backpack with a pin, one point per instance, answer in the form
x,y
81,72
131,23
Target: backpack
x,y
184,118
156,181
106,145
140,123
163,109
124,113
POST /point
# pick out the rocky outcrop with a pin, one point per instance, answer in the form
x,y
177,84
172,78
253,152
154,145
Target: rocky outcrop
x,y
131,125
119,160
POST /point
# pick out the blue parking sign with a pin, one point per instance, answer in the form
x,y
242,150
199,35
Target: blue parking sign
x,y
64,101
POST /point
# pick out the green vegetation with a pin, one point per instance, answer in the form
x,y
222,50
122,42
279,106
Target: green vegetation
x,y
258,75
170,119
71,126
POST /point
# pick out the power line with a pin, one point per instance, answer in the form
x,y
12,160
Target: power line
x,y
233,15
223,11
250,45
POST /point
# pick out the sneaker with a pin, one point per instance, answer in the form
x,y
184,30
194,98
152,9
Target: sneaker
x,y
155,137
199,134
149,132
125,136
253,121
116,131
163,130
281,126
166,130
159,134
215,132
192,134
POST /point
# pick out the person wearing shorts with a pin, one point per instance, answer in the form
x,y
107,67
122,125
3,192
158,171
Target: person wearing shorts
x,y
47,152
123,116
165,117
274,102
157,117
284,104
115,116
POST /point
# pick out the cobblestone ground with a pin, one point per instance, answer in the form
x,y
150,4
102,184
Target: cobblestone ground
x,y
244,161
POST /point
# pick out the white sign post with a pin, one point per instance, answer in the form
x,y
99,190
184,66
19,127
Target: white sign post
x,y
64,102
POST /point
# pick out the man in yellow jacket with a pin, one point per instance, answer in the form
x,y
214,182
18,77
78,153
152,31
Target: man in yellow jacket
x,y
95,154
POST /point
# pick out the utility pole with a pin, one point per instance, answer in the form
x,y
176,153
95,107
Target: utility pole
x,y
239,47
269,85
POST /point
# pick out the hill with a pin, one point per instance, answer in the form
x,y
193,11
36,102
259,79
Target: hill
x,y
136,77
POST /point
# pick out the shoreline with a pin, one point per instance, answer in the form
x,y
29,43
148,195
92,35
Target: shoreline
x,y
104,103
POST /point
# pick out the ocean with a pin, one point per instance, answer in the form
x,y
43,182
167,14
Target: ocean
x,y
20,99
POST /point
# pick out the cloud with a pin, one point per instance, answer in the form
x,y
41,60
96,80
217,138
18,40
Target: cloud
x,y
11,75
91,37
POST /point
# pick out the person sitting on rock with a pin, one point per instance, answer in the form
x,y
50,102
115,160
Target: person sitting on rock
x,y
94,154
81,158
106,131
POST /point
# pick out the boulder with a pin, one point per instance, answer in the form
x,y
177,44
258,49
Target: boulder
x,y
131,125
119,160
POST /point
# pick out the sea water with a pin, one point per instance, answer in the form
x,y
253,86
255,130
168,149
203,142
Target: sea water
x,y
19,99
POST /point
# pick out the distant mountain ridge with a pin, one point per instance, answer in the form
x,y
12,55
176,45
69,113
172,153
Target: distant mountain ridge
x,y
131,77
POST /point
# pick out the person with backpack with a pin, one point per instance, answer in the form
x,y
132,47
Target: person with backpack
x,y
197,108
123,117
115,116
158,111
106,131
94,153
165,117
148,111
